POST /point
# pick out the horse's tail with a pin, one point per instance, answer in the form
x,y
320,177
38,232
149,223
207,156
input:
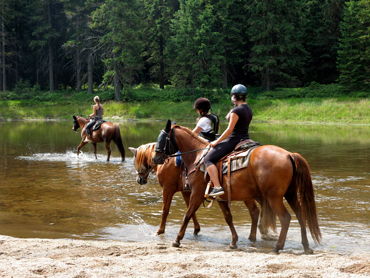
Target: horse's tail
x,y
118,140
268,217
302,183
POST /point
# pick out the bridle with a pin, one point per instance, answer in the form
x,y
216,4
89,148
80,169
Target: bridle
x,y
167,146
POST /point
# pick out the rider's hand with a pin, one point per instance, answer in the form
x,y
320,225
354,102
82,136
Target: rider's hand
x,y
213,143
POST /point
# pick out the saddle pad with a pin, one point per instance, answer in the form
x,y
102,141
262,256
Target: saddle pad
x,y
239,161
98,124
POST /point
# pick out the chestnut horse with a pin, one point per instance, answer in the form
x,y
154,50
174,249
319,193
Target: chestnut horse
x,y
106,133
171,178
272,174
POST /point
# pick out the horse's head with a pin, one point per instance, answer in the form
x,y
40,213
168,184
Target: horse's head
x,y
142,162
166,144
76,124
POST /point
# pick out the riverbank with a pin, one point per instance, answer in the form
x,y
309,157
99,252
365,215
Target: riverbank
x,y
350,110
77,258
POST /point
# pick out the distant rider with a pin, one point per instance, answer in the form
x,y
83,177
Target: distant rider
x,y
98,112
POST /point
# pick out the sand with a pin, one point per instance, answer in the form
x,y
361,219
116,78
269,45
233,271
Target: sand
x,y
84,258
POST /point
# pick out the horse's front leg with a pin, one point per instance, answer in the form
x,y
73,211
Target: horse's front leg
x,y
186,196
229,220
107,146
81,145
254,213
167,199
194,204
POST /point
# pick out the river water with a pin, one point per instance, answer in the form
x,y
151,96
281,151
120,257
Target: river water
x,y
47,191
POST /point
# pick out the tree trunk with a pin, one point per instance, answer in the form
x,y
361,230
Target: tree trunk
x,y
117,94
224,75
78,70
3,47
51,61
90,83
161,63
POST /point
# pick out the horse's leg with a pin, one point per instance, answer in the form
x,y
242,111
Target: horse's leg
x,y
166,204
229,220
254,213
94,144
280,210
107,146
195,201
294,204
81,145
186,196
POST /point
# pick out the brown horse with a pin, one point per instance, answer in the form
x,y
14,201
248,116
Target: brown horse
x,y
172,179
106,133
273,174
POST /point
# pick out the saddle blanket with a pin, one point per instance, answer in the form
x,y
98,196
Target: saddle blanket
x,y
239,161
98,124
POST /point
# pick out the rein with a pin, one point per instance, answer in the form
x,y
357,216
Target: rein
x,y
193,151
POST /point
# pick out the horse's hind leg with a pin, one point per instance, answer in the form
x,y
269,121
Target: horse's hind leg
x,y
229,220
94,144
254,213
294,204
280,210
107,146
186,196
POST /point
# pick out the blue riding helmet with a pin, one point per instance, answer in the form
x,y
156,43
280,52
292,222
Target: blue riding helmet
x,y
238,89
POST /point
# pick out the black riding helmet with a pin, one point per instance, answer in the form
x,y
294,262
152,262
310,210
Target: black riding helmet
x,y
239,89
202,104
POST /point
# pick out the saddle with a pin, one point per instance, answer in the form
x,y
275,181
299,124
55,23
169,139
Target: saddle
x,y
98,124
236,160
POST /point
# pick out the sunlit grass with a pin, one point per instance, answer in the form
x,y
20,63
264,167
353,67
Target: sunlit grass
x,y
355,111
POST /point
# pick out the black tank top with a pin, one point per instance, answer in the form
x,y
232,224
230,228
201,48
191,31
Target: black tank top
x,y
241,129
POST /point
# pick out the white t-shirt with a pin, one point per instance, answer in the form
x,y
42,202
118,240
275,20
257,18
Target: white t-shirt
x,y
205,124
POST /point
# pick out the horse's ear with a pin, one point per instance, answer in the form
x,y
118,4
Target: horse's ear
x,y
74,117
168,126
133,150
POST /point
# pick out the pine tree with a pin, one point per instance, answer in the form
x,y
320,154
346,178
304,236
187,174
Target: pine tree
x,y
353,53
276,30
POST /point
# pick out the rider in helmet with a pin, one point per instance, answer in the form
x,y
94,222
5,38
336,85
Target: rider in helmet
x,y
207,123
97,114
237,130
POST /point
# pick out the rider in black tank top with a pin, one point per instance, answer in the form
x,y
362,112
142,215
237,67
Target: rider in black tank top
x,y
239,120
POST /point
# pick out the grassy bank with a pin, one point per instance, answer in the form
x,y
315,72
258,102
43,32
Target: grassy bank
x,y
335,110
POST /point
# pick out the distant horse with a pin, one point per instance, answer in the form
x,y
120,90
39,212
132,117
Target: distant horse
x,y
106,133
273,174
172,180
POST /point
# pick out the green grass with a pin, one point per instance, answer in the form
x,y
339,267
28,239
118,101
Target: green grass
x,y
335,110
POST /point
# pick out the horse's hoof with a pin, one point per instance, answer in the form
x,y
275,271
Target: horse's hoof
x,y
196,231
160,232
175,244
233,246
252,239
308,251
275,251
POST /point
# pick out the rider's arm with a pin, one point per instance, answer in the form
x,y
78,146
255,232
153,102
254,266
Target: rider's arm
x,y
233,120
197,129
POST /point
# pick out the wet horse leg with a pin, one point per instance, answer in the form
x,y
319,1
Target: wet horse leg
x,y
254,213
294,204
107,146
167,196
280,210
229,220
194,204
94,144
186,196
80,146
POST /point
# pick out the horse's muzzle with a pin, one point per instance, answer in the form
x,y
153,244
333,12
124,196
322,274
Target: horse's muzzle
x,y
141,180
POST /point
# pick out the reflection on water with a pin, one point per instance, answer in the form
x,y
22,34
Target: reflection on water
x,y
48,191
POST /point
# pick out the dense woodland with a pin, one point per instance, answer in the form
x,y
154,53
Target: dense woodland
x,y
64,44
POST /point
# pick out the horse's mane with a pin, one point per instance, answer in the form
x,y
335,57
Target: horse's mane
x,y
142,154
192,134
